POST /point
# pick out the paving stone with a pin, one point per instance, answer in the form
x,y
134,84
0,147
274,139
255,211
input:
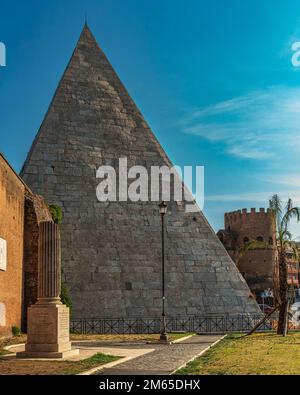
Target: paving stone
x,y
165,358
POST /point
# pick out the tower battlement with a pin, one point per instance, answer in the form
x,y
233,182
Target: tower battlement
x,y
244,215
253,224
243,226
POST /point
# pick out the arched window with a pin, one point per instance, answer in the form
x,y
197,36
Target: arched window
x,y
246,240
271,241
260,238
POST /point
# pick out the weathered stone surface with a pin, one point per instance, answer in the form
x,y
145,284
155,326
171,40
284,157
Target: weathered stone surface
x,y
48,333
36,211
48,329
49,273
111,252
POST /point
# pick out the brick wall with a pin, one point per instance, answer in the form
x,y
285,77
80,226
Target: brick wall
x,y
251,224
20,214
12,192
255,265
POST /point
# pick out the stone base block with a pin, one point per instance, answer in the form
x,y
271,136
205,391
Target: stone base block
x,y
48,332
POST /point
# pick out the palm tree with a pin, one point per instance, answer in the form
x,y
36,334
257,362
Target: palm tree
x,y
284,244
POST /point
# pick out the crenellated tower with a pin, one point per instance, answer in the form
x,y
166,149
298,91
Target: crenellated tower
x,y
243,226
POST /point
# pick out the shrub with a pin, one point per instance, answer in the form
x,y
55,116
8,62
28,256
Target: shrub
x,y
56,213
65,298
16,331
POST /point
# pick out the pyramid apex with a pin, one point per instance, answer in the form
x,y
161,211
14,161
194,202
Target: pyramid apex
x,y
86,29
85,26
87,38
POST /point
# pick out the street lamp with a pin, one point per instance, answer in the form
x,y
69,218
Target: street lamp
x,y
162,211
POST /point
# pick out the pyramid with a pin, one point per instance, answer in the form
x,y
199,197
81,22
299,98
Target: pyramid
x,y
111,251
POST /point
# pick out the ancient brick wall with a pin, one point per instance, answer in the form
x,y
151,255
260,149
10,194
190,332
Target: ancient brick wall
x,y
12,192
20,214
256,266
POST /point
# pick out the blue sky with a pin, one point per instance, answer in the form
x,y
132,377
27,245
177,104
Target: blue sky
x,y
213,78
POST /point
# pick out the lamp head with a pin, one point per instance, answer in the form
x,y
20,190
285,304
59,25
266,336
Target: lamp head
x,y
162,208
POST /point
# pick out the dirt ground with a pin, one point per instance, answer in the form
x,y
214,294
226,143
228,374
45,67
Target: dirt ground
x,y
22,367
126,337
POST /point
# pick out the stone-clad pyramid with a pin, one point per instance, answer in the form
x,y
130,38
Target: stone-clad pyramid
x,y
111,252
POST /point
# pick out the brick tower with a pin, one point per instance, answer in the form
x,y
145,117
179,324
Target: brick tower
x,y
111,252
256,265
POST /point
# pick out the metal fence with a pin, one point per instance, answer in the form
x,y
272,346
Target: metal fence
x,y
210,324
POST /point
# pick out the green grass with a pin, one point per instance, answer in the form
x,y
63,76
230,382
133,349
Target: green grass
x,y
86,364
261,353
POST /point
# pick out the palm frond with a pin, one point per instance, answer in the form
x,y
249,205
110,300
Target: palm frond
x,y
291,247
288,205
288,208
287,235
293,212
295,251
275,204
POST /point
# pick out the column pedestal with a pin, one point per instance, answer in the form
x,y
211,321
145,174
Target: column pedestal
x,y
48,320
48,333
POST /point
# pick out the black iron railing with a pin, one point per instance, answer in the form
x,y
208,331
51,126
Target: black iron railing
x,y
147,325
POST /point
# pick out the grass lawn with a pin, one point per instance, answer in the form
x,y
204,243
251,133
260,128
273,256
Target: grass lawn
x,y
260,353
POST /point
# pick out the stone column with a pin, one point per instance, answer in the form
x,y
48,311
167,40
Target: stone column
x,y
48,320
49,272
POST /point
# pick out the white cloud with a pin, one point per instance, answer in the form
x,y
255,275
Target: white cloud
x,y
240,197
259,125
255,197
289,179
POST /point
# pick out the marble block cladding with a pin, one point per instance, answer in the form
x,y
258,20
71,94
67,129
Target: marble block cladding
x,y
111,252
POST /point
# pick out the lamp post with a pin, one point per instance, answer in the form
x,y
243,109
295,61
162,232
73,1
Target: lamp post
x,y
162,211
